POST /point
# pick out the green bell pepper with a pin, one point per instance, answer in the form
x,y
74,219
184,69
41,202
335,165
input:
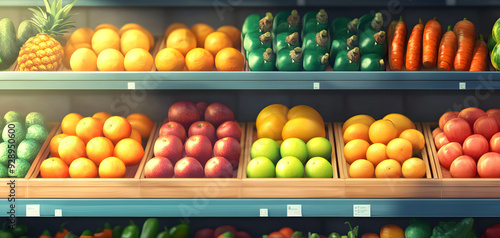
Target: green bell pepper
x,y
150,228
131,231
347,60
418,229
297,234
369,21
287,21
315,60
452,229
313,235
334,235
372,62
371,42
343,27
314,21
257,23
163,234
289,60
255,40
261,60
117,232
285,40
317,41
181,230
340,44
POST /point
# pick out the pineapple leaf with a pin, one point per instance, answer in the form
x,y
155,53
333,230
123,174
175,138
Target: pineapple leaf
x,y
53,7
47,5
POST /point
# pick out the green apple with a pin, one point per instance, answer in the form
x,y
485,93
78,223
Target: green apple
x,y
289,167
266,147
318,167
294,147
260,167
319,147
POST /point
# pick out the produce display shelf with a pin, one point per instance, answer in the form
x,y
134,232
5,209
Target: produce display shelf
x,y
205,207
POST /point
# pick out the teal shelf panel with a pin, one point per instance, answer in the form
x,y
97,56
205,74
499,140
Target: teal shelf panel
x,y
200,207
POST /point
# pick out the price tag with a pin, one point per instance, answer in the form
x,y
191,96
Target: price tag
x,y
32,210
58,212
264,212
294,210
361,210
131,85
462,85
316,85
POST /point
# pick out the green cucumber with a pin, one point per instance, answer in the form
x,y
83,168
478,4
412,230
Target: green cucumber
x,y
257,23
9,49
343,27
255,40
314,21
347,60
289,60
315,60
317,41
286,40
261,60
291,23
25,31
371,42
372,62
342,44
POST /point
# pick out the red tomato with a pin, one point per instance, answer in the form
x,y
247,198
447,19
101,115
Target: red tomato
x,y
475,146
488,165
446,117
457,129
486,126
441,140
495,143
448,153
463,167
471,114
276,234
436,131
495,113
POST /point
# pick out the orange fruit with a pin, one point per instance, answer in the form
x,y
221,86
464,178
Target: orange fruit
x,y
382,131
69,122
272,127
279,109
142,123
112,167
110,60
81,35
71,148
129,26
199,59
217,41
399,149
169,59
388,168
132,39
356,131
83,59
106,26
303,128
413,168
233,33
129,151
370,235
117,128
82,168
138,60
54,167
135,135
173,27
105,39
305,111
229,59
365,119
181,39
99,148
201,31
400,121
415,137
355,150
102,116
88,128
392,230
361,168
69,49
376,153
54,144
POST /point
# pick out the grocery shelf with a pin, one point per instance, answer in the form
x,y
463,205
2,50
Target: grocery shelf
x,y
203,207
424,80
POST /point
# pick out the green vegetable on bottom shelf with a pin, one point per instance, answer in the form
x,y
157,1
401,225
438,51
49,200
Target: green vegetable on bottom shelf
x,y
181,230
285,40
256,40
289,60
164,233
347,60
257,23
131,231
343,27
372,62
373,42
418,229
314,21
150,228
286,21
452,229
317,41
315,60
261,60
370,22
340,44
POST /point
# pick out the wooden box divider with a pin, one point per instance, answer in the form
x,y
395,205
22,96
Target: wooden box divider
x,y
427,187
459,187
291,187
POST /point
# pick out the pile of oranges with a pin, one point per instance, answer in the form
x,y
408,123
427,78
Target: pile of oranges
x,y
102,145
107,48
200,48
383,148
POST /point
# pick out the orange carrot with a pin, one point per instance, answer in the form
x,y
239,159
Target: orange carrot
x,y
397,46
466,37
479,56
447,50
430,44
390,31
414,49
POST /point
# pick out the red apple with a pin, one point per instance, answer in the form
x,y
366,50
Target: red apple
x,y
436,131
164,121
486,126
201,106
228,148
169,146
199,147
204,233
173,128
183,112
221,229
218,167
446,117
448,153
229,129
457,129
495,113
475,146
488,166
203,128
471,114
463,167
441,140
242,234
495,143
158,167
188,167
217,113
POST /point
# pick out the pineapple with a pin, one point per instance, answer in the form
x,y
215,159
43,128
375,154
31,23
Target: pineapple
x,y
44,51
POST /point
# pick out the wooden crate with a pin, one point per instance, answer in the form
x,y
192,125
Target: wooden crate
x,y
21,184
127,187
291,187
427,187
459,187
199,188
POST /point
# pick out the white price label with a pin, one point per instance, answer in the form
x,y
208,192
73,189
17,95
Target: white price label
x,y
294,210
264,212
58,212
131,85
361,210
32,210
316,85
462,85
